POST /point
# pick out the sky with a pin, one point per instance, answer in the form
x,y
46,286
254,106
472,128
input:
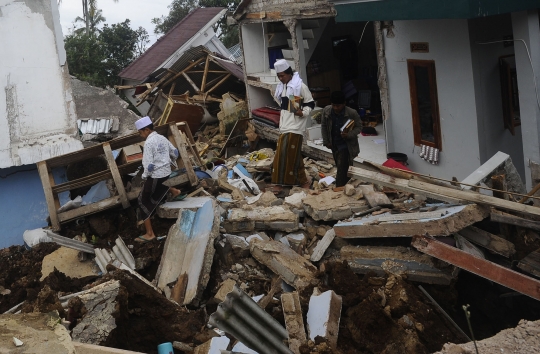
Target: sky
x,y
139,12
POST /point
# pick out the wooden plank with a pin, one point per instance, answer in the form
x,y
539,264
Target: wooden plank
x,y
49,195
531,263
489,241
177,181
257,15
219,83
178,293
95,207
274,15
143,96
181,145
196,62
475,197
489,270
188,79
205,75
184,127
118,183
454,219
505,218
397,183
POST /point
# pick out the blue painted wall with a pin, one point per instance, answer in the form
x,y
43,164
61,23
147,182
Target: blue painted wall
x,y
22,202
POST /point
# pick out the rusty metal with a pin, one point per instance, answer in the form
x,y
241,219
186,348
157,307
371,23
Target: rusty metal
x,y
486,269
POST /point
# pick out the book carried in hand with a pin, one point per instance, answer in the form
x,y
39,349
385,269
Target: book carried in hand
x,y
295,103
349,124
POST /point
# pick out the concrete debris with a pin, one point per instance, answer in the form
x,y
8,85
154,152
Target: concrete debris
x,y
442,222
295,200
323,316
102,305
322,245
261,218
294,269
330,205
214,345
415,265
294,322
224,289
189,248
170,210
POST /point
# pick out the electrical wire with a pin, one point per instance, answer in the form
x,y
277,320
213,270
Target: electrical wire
x,y
530,62
362,35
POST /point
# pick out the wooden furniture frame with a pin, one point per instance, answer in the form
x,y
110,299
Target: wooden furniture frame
x,y
430,65
176,132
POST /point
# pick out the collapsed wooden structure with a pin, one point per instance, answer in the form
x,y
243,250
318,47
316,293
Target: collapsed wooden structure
x,y
178,133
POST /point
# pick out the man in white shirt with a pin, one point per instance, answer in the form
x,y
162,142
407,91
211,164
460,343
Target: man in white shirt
x,y
296,102
157,155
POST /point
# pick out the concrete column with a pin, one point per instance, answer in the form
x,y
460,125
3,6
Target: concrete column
x,y
295,29
526,27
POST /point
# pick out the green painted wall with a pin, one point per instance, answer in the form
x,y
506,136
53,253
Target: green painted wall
x,y
386,10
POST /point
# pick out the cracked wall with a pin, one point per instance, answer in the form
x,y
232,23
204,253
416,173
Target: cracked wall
x,y
37,113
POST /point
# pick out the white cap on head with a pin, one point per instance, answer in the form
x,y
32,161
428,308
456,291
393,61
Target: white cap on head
x,y
143,122
281,65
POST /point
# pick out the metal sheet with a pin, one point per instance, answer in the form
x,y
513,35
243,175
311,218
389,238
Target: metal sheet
x,y
242,318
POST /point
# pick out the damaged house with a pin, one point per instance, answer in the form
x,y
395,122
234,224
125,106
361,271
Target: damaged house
x,y
37,111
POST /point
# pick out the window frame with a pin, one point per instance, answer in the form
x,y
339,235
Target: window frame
x,y
430,65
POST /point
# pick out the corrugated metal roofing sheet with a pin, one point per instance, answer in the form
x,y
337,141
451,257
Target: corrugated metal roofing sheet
x,y
94,126
169,43
241,317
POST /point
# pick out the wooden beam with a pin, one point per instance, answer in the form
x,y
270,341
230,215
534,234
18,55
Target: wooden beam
x,y
531,193
209,71
489,241
488,270
505,218
188,79
196,62
206,66
171,91
154,85
49,195
257,15
181,145
475,198
219,83
95,207
397,183
185,128
116,175
213,81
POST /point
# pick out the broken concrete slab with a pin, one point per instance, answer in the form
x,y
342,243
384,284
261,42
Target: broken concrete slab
x,y
170,210
66,260
442,222
374,198
297,241
294,322
272,218
417,266
498,163
349,190
330,205
189,249
295,200
214,345
294,269
481,267
489,241
322,245
239,245
102,305
323,316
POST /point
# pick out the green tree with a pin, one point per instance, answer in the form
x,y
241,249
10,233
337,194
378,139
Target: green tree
x,y
178,9
99,58
87,6
95,18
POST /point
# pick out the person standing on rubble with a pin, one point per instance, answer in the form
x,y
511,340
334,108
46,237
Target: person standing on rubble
x,y
340,126
156,161
296,103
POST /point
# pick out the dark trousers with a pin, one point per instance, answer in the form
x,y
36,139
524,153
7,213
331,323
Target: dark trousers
x,y
341,157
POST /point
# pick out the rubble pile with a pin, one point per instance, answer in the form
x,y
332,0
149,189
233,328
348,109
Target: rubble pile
x,y
325,269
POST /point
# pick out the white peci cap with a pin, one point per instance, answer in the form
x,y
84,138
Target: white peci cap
x,y
143,122
281,65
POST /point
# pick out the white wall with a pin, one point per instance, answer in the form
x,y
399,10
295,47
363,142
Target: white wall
x,y
526,27
449,48
37,112
254,46
492,135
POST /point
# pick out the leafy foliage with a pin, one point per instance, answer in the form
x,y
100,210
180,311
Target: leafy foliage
x,y
178,9
99,57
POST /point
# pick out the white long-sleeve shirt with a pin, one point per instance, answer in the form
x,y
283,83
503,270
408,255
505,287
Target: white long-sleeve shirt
x,y
158,151
291,123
